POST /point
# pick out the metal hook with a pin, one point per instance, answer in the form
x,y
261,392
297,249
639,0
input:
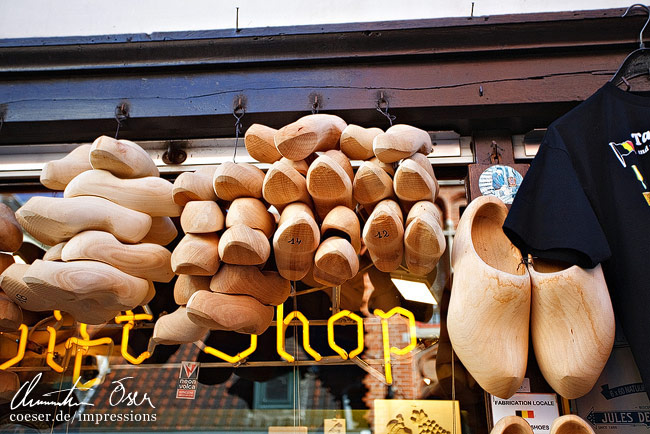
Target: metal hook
x,y
382,107
641,44
238,112
121,114
315,106
495,155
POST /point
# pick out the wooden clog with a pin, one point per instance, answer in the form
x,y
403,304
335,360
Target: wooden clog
x,y
54,252
267,287
301,165
343,221
283,184
52,220
372,184
162,232
343,161
252,213
11,234
424,240
150,195
176,328
572,325
9,385
401,141
147,261
512,425
295,241
186,285
238,313
233,180
79,281
194,186
57,174
414,180
383,234
260,145
571,424
11,316
388,167
489,308
242,245
335,262
5,261
329,185
197,254
122,158
150,294
11,282
356,141
309,134
202,217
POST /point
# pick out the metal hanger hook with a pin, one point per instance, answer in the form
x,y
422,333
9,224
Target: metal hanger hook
x,y
641,44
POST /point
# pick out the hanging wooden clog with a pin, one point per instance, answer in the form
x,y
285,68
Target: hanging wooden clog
x,y
356,141
201,217
162,232
424,240
52,220
383,234
309,134
267,287
283,184
196,185
252,213
401,141
329,184
260,145
233,180
243,245
197,254
186,285
414,179
11,234
238,313
295,241
56,174
122,158
176,328
372,184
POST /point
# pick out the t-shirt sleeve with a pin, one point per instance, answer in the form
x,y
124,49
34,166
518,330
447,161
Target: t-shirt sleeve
x,y
551,216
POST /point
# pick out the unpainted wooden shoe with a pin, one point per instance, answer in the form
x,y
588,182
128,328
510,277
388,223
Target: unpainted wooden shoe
x,y
122,158
571,424
197,254
414,179
243,245
186,285
238,313
250,212
283,184
5,261
11,316
233,180
56,174
330,184
162,232
295,241
196,185
11,234
383,234
424,240
489,310
54,252
260,145
572,325
401,141
512,425
372,184
356,141
176,328
309,134
202,217
267,287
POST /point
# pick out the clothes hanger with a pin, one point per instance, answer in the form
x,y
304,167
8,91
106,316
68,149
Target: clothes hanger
x,y
637,63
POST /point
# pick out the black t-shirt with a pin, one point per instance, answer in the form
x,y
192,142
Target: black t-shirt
x,y
585,200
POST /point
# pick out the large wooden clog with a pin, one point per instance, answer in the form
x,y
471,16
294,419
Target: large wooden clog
x,y
186,285
335,262
401,141
242,245
5,261
512,425
196,185
571,424
342,221
283,184
572,325
122,158
329,185
150,195
52,220
260,145
11,234
252,213
9,385
197,254
11,316
295,241
414,179
11,282
176,328
57,174
267,287
372,184
201,217
489,309
147,261
79,281
54,253
300,165
162,232
238,313
233,180
383,234
424,240
311,133
356,141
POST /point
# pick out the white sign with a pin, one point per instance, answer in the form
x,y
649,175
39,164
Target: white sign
x,y
539,409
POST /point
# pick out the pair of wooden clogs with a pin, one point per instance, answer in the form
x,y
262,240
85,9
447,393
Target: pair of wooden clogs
x,y
495,298
107,233
567,424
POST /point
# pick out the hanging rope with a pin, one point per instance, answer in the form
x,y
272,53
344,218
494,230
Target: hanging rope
x,y
382,107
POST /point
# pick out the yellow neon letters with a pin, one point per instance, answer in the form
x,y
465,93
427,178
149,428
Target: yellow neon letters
x,y
385,337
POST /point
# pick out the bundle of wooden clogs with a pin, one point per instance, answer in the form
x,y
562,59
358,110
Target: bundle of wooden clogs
x,y
107,234
227,264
